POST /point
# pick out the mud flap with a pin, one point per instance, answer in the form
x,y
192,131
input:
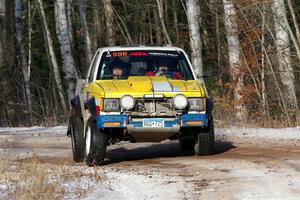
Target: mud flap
x,y
91,106
209,107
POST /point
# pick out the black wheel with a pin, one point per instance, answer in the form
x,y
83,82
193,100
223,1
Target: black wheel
x,y
187,140
187,145
77,138
98,143
205,140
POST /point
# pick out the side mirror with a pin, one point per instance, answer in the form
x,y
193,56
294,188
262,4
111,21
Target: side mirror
x,y
205,75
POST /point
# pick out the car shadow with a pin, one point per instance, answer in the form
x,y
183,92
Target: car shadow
x,y
158,150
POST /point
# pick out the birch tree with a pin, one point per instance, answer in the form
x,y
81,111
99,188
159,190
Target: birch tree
x,y
193,12
109,16
86,35
52,57
97,28
283,48
160,7
69,19
65,47
158,36
22,55
231,26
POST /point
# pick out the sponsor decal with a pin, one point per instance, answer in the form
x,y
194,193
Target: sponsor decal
x,y
163,54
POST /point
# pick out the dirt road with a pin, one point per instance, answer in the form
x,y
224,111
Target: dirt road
x,y
239,169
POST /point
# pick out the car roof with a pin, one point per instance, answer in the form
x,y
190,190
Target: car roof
x,y
140,47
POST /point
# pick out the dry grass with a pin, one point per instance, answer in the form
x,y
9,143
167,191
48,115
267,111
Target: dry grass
x,y
29,180
33,179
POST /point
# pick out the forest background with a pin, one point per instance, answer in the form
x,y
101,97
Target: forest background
x,y
250,49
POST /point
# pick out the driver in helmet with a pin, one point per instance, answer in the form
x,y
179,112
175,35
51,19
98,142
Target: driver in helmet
x,y
163,70
117,70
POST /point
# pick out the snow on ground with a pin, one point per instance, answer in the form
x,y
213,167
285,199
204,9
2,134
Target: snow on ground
x,y
33,130
244,170
132,185
266,133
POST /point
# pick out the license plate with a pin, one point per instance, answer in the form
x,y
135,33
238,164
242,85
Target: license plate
x,y
153,122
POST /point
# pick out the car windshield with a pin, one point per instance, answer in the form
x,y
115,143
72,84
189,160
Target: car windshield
x,y
122,64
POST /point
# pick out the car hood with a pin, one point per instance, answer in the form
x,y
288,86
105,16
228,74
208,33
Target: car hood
x,y
138,86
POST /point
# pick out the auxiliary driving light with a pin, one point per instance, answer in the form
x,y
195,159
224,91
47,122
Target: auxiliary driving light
x,y
127,102
180,101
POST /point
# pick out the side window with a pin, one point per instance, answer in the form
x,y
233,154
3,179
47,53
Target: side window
x,y
93,68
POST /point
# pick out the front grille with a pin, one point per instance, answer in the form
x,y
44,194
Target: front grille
x,y
154,107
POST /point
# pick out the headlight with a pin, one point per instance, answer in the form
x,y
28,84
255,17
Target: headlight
x,y
127,102
196,104
180,101
111,105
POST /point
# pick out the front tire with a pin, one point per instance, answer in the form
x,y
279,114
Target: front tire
x,y
98,144
205,140
77,138
187,141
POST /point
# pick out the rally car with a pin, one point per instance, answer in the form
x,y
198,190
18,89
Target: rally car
x,y
139,94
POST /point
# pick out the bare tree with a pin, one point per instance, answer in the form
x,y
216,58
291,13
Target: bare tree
x,y
193,12
230,18
69,18
22,54
52,57
283,48
109,17
96,32
2,30
65,47
160,7
87,40
158,35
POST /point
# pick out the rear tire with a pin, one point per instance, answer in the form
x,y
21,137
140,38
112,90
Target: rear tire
x,y
77,138
205,140
98,144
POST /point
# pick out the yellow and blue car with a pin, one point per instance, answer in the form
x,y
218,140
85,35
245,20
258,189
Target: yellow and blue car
x,y
139,94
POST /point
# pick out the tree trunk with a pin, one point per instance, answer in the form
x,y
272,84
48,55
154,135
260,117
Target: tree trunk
x,y
52,57
158,36
86,35
294,20
7,56
69,13
109,17
160,7
97,29
29,35
65,47
3,31
233,43
193,12
22,54
150,26
265,105
282,42
175,19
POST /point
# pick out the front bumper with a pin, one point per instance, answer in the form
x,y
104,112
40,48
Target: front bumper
x,y
171,124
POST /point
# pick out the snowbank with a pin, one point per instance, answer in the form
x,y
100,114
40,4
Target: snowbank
x,y
267,133
33,130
